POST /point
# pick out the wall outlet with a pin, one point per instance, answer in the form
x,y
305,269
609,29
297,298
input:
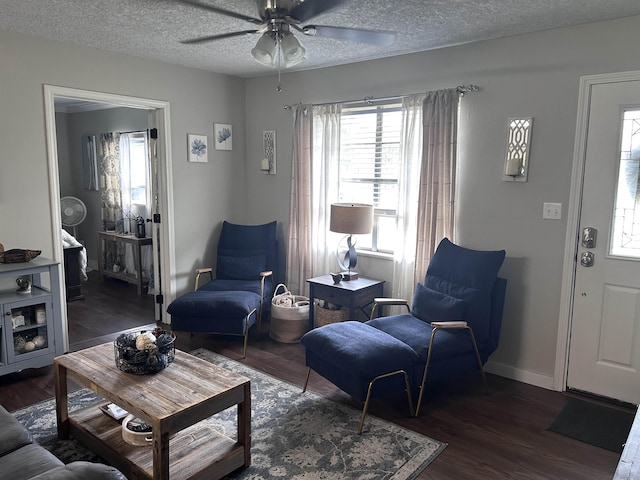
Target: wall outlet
x,y
552,211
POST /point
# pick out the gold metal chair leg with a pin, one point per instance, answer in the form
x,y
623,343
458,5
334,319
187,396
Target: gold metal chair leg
x,y
366,401
426,367
246,332
475,348
306,380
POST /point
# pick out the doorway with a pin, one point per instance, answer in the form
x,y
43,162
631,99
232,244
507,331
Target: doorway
x,y
601,289
157,114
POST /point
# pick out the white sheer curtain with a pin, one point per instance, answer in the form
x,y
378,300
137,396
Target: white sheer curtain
x,y
314,187
299,263
324,185
410,158
437,179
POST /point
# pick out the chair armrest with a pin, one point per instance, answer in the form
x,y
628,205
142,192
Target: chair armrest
x,y
200,271
451,325
383,302
390,301
267,273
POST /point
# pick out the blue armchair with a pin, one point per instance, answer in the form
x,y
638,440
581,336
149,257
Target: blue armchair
x,y
451,328
240,294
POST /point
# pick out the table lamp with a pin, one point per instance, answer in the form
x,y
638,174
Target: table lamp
x,y
352,219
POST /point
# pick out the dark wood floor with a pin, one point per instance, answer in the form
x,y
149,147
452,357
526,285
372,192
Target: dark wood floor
x,y
502,435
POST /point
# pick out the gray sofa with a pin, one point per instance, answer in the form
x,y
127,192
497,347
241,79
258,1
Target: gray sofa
x,y
20,458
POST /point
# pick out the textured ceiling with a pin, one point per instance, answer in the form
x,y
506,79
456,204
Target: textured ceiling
x,y
154,28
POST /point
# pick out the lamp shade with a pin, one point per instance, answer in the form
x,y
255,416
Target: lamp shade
x,y
266,49
291,50
353,218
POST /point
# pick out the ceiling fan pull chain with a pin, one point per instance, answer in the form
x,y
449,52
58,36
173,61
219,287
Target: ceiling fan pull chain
x,y
279,54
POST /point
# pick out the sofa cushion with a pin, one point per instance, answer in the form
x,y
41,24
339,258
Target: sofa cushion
x,y
27,462
80,470
12,434
430,305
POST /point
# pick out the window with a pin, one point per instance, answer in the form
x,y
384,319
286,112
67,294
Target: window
x,y
625,234
369,167
134,168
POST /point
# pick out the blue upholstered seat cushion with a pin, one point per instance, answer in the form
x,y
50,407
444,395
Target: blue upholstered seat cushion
x,y
417,334
214,304
240,268
433,306
220,285
365,351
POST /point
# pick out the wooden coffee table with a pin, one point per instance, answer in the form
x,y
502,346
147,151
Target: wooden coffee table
x,y
172,402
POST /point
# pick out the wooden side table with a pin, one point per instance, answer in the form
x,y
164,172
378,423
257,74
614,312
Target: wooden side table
x,y
353,294
107,250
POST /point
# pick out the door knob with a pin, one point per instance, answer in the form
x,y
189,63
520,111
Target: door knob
x,y
587,259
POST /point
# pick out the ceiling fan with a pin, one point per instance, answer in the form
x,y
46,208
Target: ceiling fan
x,y
277,46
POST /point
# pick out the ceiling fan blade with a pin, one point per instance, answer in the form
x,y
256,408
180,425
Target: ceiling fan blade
x,y
218,37
374,37
310,8
221,11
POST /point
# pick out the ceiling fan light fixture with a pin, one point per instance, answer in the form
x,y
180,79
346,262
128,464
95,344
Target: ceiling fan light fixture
x,y
266,49
292,52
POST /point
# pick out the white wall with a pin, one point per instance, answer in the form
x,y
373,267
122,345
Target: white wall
x,y
204,194
527,75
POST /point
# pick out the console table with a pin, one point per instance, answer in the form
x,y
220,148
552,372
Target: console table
x,y
353,294
110,265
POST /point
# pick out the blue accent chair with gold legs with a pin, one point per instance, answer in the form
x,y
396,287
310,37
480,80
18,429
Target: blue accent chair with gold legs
x,y
240,294
451,328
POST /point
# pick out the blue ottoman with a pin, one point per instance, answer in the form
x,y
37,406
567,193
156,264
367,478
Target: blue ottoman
x,y
351,355
224,312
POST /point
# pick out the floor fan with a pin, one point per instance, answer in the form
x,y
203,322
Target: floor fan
x,y
74,211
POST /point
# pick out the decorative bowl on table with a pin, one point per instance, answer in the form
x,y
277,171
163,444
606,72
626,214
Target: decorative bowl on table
x,y
144,353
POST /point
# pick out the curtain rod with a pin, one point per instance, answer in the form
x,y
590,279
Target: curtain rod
x,y
134,131
461,89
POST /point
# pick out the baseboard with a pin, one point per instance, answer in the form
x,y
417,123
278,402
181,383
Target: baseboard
x,y
531,378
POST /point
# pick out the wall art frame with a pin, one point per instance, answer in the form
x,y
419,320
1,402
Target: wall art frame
x,y
197,148
223,136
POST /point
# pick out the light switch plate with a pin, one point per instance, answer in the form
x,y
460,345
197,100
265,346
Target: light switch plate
x,y
552,211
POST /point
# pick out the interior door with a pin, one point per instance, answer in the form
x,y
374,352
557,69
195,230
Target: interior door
x,y
604,349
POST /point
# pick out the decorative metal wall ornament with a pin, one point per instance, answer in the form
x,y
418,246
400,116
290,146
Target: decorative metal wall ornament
x,y
268,162
516,163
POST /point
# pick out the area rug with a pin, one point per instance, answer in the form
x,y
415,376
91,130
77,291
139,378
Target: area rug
x,y
595,424
294,435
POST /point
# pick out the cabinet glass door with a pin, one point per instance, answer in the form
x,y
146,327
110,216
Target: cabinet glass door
x,y
28,325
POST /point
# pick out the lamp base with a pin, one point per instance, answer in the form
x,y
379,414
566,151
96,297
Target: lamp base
x,y
347,275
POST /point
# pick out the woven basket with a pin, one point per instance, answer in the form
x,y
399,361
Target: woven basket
x,y
324,316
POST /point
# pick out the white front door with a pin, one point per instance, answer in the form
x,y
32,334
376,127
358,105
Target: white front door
x,y
604,348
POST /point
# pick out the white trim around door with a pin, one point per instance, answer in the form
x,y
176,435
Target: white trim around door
x,y
573,218
167,237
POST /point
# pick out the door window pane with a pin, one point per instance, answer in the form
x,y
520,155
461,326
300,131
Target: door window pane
x,y
625,234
